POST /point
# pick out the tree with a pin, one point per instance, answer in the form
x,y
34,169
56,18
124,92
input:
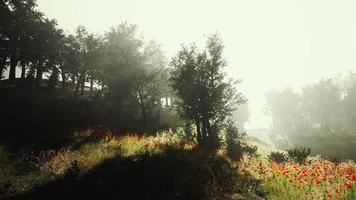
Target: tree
x,y
321,104
147,79
200,83
283,107
349,102
69,59
241,115
46,43
18,19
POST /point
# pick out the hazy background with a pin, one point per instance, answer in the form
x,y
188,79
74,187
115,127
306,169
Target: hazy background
x,y
269,44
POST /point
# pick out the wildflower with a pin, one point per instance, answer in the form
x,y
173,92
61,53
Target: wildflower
x,y
348,186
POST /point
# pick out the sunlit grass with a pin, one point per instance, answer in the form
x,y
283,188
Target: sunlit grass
x,y
320,179
18,175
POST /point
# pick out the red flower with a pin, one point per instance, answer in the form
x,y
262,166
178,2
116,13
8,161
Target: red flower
x,y
348,186
353,178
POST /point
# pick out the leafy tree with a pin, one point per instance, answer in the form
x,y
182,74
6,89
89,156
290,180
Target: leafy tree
x,y
18,19
47,45
241,115
121,57
283,107
69,59
147,79
321,103
200,83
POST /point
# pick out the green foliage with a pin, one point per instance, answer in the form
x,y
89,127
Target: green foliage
x,y
250,150
299,154
207,97
277,156
233,141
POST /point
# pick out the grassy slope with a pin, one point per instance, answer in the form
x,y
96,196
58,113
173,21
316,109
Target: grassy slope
x,y
128,167
162,167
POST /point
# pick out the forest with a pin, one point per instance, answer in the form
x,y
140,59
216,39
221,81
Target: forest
x,y
110,116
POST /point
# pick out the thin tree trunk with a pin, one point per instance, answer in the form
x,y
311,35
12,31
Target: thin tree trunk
x,y
79,81
199,136
2,67
39,73
91,84
64,80
13,64
205,133
23,72
144,116
82,86
213,136
143,112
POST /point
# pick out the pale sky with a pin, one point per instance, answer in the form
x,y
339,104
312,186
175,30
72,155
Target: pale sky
x,y
269,44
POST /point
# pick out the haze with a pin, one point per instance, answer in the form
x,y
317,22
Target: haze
x,y
269,44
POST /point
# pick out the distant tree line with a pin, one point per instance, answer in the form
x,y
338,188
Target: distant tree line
x,y
324,112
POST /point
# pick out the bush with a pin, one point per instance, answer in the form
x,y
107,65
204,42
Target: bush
x,y
250,150
299,154
233,139
279,157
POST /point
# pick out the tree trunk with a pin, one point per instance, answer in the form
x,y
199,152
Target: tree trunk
x,y
23,72
39,73
213,136
199,136
205,133
91,84
143,111
82,86
79,81
13,65
2,67
64,80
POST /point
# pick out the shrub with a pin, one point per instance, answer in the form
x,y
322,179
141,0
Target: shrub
x,y
299,154
279,157
233,139
250,150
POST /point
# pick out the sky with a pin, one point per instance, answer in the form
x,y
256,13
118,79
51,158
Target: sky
x,y
268,44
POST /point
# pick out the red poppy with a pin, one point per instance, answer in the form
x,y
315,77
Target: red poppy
x,y
348,186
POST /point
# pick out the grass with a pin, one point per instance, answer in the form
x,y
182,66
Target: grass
x,y
164,166
318,179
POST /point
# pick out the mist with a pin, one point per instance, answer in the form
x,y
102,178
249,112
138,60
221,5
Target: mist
x,y
269,44
184,99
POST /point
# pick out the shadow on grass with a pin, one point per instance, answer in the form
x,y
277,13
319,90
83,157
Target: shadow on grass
x,y
174,174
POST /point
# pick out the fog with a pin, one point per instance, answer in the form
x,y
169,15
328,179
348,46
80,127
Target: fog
x,y
178,99
269,44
